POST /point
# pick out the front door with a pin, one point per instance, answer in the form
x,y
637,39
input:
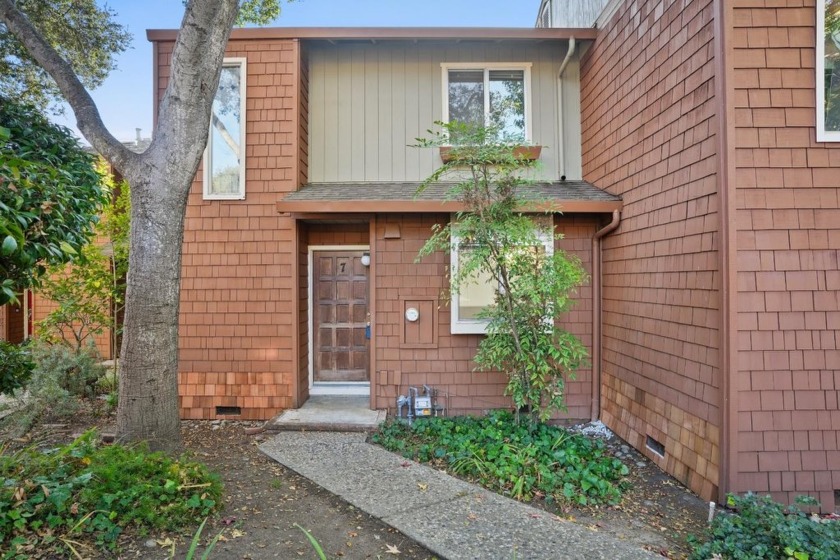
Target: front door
x,y
340,317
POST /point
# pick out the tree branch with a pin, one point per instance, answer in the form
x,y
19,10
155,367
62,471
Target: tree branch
x,y
196,67
87,115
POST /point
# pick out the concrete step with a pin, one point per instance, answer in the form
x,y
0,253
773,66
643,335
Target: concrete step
x,y
329,413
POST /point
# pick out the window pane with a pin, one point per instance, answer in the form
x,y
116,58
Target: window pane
x,y
832,65
466,96
507,103
476,294
225,134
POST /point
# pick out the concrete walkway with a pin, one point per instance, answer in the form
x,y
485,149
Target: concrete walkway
x,y
452,518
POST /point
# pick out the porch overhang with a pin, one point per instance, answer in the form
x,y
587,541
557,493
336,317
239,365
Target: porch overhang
x,y
566,197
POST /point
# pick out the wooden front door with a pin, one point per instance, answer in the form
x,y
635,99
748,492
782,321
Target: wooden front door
x,y
340,317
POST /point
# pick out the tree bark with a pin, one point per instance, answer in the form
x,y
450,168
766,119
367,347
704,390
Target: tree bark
x,y
160,180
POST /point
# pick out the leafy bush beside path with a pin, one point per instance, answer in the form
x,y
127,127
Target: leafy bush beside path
x,y
524,461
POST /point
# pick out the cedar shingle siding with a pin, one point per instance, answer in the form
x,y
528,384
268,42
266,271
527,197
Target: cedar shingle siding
x,y
648,115
651,118
788,236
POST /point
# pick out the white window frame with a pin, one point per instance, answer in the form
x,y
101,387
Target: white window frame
x,y
242,63
479,326
823,135
487,67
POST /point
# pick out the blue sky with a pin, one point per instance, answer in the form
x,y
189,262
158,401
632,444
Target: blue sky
x,y
125,99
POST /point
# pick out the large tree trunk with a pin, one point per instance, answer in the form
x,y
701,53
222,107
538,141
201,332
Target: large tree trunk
x,y
160,182
160,179
148,383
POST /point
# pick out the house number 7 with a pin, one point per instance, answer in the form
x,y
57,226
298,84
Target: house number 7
x,y
342,266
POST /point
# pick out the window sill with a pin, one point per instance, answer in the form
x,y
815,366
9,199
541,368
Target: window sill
x,y
527,153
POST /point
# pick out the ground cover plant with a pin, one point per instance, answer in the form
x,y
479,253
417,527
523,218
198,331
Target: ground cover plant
x,y
761,528
524,461
51,499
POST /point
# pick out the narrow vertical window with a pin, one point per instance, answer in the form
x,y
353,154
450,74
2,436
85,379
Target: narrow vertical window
x,y
828,70
224,159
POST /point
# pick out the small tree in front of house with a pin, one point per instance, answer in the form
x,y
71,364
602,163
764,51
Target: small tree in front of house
x,y
89,293
497,240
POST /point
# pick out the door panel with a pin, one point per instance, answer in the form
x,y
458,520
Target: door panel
x,y
341,308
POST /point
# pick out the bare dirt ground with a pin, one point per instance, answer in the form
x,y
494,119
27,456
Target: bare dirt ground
x,y
263,502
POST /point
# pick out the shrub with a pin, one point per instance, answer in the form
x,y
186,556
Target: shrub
x,y
50,497
761,528
59,377
76,371
493,241
523,461
15,366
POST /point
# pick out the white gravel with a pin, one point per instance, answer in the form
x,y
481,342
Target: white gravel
x,y
597,429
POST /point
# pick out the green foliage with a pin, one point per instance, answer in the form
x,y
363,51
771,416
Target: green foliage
x,y
259,12
15,366
197,538
82,294
60,376
499,241
762,528
83,33
90,293
313,542
50,496
50,197
521,461
77,372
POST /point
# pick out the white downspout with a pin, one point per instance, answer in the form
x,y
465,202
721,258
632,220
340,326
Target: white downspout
x,y
560,136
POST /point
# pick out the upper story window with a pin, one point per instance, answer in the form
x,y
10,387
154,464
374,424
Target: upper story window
x,y
224,158
828,70
490,95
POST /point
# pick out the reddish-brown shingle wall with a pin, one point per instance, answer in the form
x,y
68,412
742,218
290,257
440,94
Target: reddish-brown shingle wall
x,y
788,234
237,292
5,310
648,125
447,364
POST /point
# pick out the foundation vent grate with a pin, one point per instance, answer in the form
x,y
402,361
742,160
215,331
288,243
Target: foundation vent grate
x,y
228,411
655,446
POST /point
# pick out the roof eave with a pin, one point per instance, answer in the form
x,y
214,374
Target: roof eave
x,y
395,33
431,206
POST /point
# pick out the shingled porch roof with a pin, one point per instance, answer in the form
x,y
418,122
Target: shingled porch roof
x,y
568,197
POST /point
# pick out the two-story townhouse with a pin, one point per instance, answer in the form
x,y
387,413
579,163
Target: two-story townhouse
x,y
717,123
714,319
302,229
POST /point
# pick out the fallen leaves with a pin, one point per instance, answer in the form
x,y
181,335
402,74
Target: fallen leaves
x,y
391,549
